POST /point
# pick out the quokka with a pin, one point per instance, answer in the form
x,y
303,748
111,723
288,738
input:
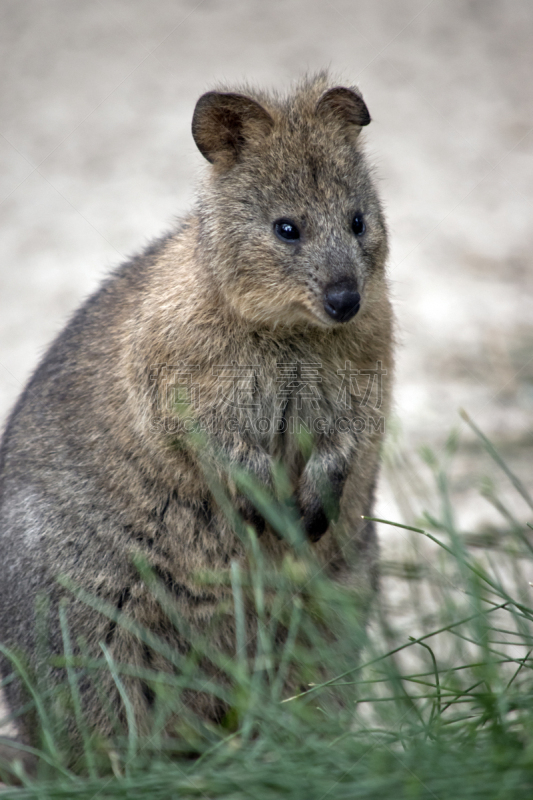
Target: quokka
x,y
265,312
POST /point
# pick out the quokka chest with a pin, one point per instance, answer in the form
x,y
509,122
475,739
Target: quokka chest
x,y
271,402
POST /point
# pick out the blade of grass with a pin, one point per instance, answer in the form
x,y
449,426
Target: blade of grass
x,y
43,716
75,692
128,707
491,450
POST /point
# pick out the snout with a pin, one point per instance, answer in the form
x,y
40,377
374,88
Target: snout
x,y
342,300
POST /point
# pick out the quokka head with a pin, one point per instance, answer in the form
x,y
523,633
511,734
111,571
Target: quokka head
x,y
291,225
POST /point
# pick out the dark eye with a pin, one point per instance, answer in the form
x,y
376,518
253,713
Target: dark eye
x,y
286,230
358,224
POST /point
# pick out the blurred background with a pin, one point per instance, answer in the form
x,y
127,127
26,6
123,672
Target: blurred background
x,y
97,158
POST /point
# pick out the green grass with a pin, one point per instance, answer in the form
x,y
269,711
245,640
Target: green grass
x,y
439,703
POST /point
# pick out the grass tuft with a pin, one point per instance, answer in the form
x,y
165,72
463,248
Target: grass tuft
x,y
433,700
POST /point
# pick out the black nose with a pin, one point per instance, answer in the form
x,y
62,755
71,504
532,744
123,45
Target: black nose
x,y
342,301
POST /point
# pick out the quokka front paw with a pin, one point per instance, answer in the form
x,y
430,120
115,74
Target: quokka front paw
x,y
314,519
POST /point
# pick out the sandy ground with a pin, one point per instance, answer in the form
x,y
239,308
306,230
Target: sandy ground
x,y
96,158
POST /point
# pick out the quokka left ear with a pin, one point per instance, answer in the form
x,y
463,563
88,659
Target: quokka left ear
x,y
223,123
344,105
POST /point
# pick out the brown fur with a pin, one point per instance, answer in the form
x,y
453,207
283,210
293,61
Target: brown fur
x,y
93,468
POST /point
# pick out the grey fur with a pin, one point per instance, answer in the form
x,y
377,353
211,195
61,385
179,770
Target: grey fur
x,y
88,471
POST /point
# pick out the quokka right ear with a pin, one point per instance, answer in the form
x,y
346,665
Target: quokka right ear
x,y
346,106
223,123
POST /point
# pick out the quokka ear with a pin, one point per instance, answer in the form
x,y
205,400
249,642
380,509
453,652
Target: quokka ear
x,y
223,123
344,105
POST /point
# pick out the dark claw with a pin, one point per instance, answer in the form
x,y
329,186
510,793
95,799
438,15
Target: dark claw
x,y
315,523
251,516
